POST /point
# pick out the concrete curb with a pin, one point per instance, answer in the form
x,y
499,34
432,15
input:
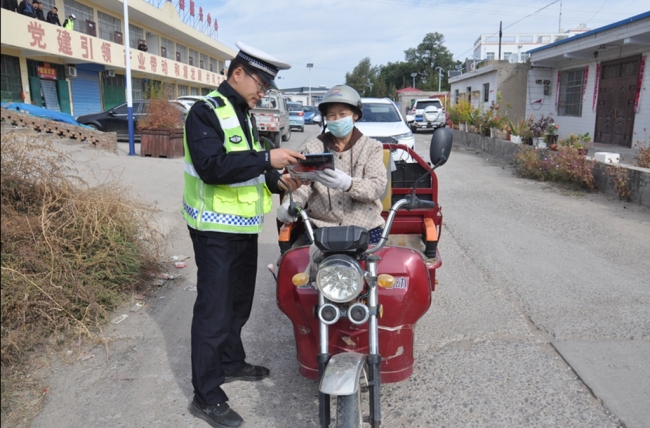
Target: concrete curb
x,y
638,178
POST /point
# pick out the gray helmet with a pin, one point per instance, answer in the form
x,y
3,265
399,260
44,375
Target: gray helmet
x,y
341,94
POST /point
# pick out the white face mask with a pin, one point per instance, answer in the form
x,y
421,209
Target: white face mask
x,y
342,127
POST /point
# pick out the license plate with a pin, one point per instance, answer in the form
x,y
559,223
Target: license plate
x,y
291,122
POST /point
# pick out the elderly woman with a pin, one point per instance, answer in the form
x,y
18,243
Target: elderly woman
x,y
351,193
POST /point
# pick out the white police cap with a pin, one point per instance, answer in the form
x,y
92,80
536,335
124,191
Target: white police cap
x,y
265,65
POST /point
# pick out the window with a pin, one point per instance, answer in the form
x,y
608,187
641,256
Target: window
x,y
47,6
489,56
204,61
81,11
508,39
525,39
181,56
194,58
10,77
137,88
194,91
108,25
570,101
486,92
213,65
135,33
169,89
524,57
182,90
457,96
469,94
317,99
167,48
378,113
544,39
506,55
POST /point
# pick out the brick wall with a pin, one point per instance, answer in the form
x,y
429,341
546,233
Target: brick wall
x,y
101,140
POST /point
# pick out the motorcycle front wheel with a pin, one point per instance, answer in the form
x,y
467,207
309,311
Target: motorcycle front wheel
x,y
350,408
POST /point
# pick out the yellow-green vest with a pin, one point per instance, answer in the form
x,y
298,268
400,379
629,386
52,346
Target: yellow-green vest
x,y
69,24
231,208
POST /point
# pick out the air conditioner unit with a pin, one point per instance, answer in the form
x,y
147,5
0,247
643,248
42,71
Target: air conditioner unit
x,y
109,73
70,71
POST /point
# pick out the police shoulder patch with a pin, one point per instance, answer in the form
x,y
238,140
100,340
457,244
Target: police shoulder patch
x,y
235,139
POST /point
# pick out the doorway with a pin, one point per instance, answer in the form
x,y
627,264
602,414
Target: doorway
x,y
616,94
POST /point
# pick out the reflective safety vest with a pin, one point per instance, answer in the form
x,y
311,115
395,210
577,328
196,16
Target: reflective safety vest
x,y
231,208
68,24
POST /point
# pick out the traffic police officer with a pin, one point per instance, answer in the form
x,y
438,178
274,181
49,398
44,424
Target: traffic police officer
x,y
229,178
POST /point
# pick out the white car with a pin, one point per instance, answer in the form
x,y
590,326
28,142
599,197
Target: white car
x,y
382,121
428,113
188,100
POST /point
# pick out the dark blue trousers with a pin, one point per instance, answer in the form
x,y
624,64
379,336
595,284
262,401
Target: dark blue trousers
x,y
227,267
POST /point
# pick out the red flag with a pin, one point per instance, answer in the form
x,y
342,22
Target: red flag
x,y
200,14
216,26
181,4
191,8
209,20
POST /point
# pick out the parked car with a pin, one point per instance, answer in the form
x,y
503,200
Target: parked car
x,y
310,112
296,116
117,120
188,100
272,118
429,113
382,121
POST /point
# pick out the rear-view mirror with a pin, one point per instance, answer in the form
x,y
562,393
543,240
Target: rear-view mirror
x,y
440,147
317,118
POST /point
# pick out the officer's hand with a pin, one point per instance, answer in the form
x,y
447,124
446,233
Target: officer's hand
x,y
283,157
293,183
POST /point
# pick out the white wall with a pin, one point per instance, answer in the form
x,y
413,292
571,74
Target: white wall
x,y
476,83
641,133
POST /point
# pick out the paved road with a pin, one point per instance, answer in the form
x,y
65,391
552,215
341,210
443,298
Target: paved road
x,y
541,318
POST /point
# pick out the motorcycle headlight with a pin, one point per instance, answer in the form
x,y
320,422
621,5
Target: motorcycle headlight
x,y
340,278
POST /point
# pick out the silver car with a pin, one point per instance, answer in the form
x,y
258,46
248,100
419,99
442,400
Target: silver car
x,y
382,121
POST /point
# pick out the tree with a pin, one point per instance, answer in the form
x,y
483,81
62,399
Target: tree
x,y
362,78
428,55
397,73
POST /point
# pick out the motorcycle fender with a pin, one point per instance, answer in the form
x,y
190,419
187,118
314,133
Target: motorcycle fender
x,y
341,376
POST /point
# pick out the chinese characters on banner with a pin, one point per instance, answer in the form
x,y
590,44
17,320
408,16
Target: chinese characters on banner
x,y
82,46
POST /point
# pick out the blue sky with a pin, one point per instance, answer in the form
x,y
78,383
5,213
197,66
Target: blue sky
x,y
335,35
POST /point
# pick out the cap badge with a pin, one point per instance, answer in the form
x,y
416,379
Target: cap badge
x,y
235,139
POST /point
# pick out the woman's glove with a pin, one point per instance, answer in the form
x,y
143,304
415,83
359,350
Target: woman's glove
x,y
334,179
283,213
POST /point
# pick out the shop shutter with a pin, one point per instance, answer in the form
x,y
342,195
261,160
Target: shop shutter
x,y
86,96
49,94
64,95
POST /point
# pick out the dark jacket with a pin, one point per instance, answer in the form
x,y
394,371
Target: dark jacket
x,y
209,158
53,18
11,5
25,7
38,14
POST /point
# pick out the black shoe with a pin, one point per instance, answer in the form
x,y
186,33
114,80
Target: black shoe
x,y
249,373
219,416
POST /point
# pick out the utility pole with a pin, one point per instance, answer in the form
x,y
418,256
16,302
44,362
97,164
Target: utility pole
x,y
413,76
309,66
440,70
500,35
559,25
129,95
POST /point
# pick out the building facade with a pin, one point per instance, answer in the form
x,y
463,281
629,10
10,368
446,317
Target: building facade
x,y
83,71
492,80
486,47
596,82
301,94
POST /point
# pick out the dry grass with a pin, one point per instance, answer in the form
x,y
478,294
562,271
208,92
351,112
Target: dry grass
x,y
565,166
70,254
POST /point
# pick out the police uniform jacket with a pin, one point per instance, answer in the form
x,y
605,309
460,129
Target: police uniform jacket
x,y
205,141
